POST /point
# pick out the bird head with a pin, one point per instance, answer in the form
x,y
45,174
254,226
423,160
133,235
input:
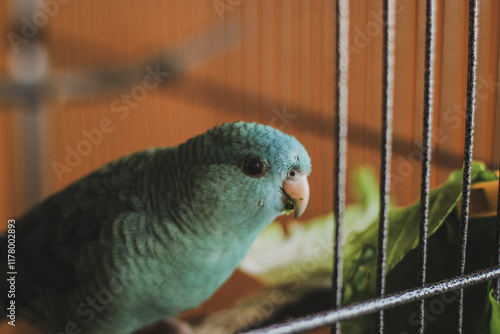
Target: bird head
x,y
248,171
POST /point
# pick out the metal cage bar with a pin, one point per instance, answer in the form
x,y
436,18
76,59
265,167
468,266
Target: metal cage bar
x,y
430,50
423,290
469,144
341,93
329,317
389,19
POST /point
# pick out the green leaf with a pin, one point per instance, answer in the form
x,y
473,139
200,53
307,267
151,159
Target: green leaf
x,y
403,232
495,314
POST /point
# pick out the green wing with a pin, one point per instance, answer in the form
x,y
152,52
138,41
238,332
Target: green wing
x,y
62,242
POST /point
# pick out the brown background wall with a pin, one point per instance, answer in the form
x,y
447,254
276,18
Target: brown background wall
x,y
283,66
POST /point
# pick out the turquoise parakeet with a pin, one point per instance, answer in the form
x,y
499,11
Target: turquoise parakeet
x,y
153,233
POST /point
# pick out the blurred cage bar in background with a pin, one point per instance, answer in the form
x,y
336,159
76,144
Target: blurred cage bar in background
x,y
461,281
274,64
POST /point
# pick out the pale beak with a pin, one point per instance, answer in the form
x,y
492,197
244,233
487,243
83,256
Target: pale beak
x,y
297,191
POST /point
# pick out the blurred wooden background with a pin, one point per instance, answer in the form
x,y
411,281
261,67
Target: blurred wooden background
x,y
282,73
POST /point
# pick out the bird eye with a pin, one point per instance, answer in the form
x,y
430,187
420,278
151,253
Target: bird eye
x,y
291,174
252,166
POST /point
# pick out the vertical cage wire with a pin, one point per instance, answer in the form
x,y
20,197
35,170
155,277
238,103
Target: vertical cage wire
x,y
430,53
469,143
423,290
386,145
341,103
29,70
